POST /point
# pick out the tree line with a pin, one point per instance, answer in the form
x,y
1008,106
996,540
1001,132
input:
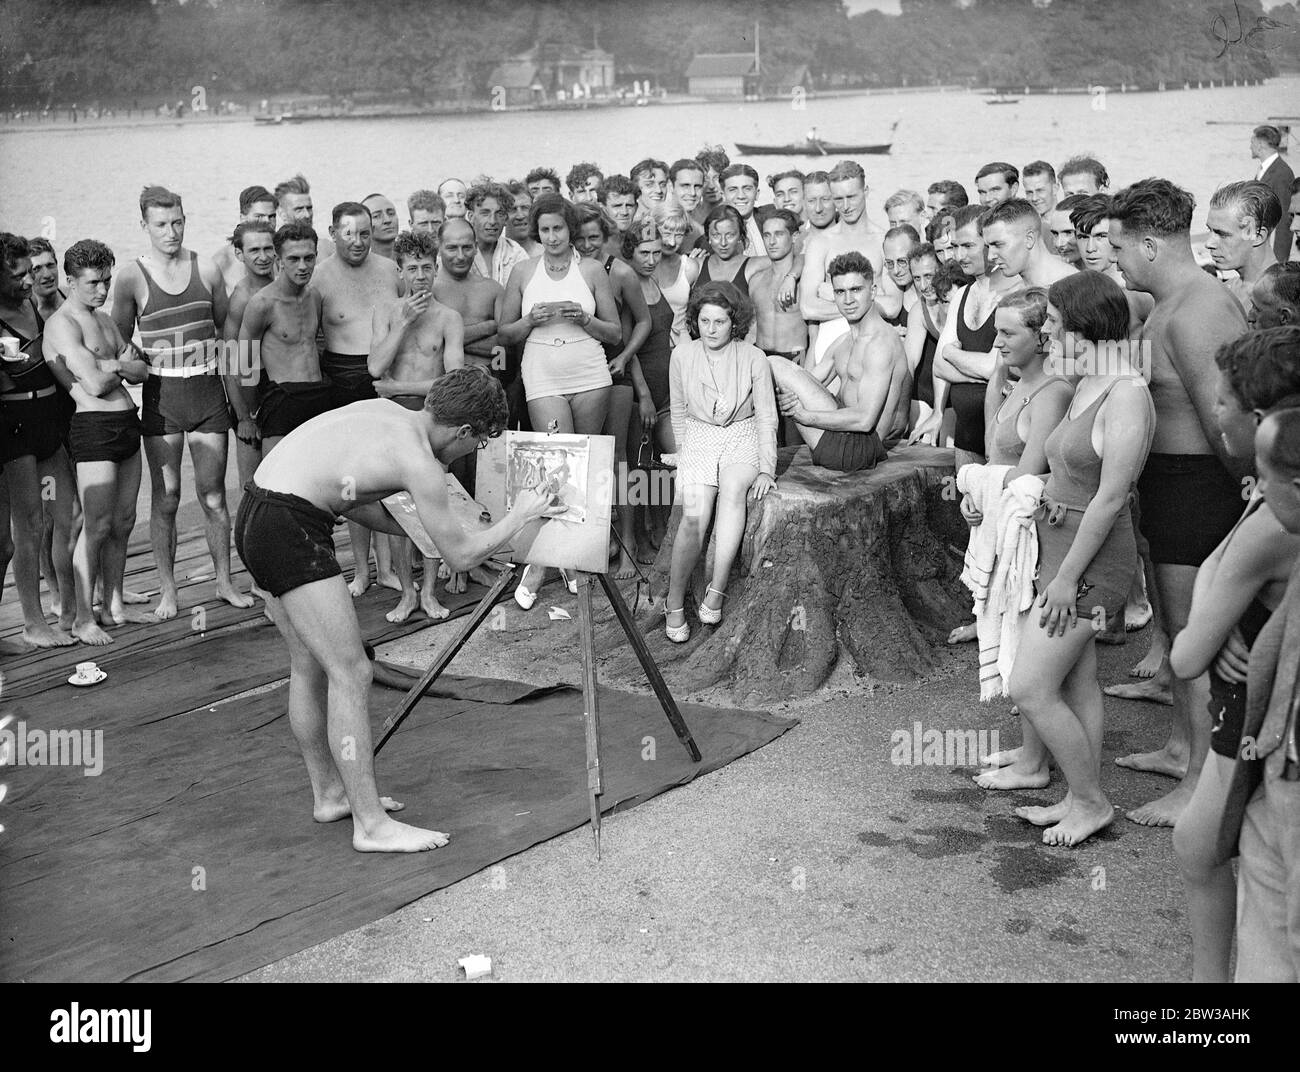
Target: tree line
x,y
62,50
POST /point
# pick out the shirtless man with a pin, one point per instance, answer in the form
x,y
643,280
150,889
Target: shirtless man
x,y
819,210
280,325
452,192
477,299
904,208
853,234
383,224
294,200
105,434
1083,175
584,181
621,195
781,331
1013,243
179,303
1060,226
426,210
344,462
254,245
853,431
351,284
997,182
1190,493
256,205
945,196
1038,187
1243,217
415,340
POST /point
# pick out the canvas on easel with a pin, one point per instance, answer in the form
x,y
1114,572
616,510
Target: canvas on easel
x,y
579,469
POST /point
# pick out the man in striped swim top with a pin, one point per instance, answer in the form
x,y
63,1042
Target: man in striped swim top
x,y
178,301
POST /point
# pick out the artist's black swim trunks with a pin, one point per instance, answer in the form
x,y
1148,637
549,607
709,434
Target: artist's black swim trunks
x,y
349,375
174,404
284,540
285,406
1189,504
112,436
849,452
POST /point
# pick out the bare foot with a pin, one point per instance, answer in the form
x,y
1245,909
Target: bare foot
x,y
1164,811
1159,762
430,605
122,616
963,634
392,836
66,620
331,811
134,597
1012,778
1150,665
444,573
1153,691
646,556
166,608
625,570
1001,759
458,583
233,596
91,633
46,636
1136,617
388,579
1083,821
359,583
405,606
1049,815
481,575
55,609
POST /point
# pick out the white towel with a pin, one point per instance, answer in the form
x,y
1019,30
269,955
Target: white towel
x,y
983,483
1011,591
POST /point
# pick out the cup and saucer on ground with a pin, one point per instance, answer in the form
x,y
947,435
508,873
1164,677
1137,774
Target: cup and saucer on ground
x,y
87,674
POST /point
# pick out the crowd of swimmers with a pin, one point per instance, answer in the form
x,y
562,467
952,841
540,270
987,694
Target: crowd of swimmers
x,y
1125,411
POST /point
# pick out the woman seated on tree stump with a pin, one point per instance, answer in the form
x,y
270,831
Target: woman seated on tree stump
x,y
724,419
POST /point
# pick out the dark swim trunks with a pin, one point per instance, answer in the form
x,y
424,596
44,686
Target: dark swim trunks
x,y
848,452
1189,504
967,402
31,426
97,436
349,375
411,402
790,355
284,540
285,406
174,404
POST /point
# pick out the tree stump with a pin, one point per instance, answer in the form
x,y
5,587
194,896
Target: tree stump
x,y
833,566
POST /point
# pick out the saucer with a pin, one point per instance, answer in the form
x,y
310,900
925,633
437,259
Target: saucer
x,y
74,680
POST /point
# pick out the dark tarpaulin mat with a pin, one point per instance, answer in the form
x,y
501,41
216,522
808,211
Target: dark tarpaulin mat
x,y
98,874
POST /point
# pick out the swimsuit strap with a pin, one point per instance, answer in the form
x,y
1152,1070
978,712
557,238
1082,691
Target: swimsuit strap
x,y
929,323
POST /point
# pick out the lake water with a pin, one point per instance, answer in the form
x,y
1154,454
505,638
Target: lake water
x,y
86,181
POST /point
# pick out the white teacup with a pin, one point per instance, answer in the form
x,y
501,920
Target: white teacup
x,y
10,347
87,671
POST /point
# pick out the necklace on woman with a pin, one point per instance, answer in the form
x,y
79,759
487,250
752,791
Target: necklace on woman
x,y
556,268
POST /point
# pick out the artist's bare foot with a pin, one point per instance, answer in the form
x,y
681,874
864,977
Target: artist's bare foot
x,y
134,597
388,579
963,634
405,607
1162,761
1011,777
1047,816
430,605
1165,810
331,811
1080,824
1153,691
484,576
392,836
458,583
625,570
233,596
91,633
358,585
120,615
46,636
166,608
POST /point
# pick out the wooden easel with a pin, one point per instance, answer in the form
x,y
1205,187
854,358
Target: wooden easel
x,y
590,695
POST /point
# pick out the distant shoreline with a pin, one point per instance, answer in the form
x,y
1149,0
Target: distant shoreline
x,y
399,111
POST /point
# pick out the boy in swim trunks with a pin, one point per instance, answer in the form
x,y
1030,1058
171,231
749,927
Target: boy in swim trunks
x,y
414,340
853,431
105,434
344,462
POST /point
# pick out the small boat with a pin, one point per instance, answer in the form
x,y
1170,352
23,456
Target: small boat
x,y
283,117
1003,100
816,147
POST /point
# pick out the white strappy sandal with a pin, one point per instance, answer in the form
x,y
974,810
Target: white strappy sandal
x,y
678,634
710,615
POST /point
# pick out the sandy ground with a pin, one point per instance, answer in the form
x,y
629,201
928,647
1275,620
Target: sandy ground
x,y
815,858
